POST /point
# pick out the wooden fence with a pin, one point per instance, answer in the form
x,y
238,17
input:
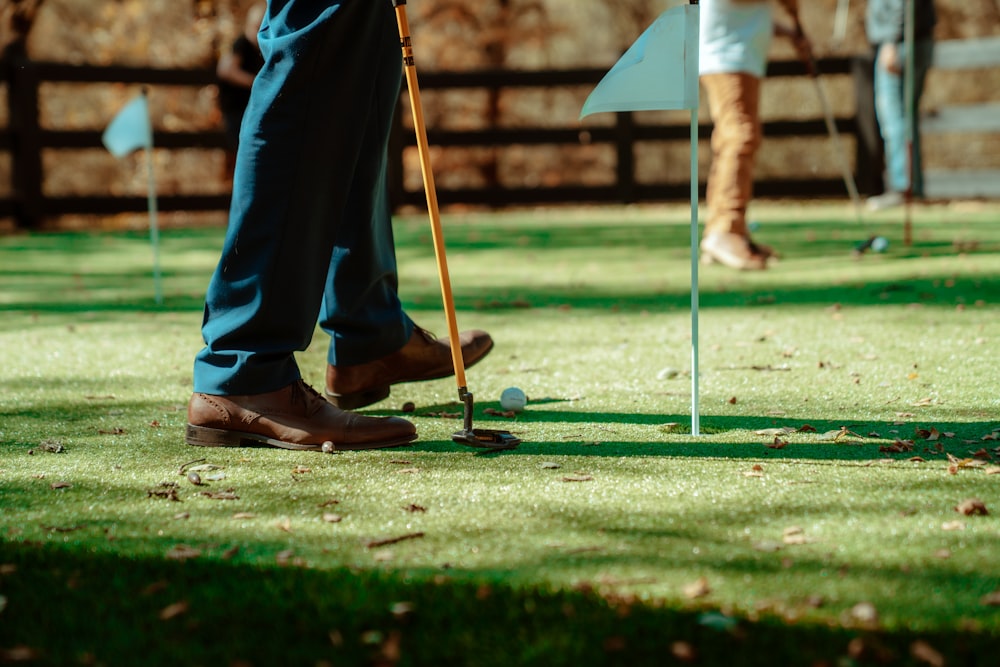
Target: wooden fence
x,y
25,140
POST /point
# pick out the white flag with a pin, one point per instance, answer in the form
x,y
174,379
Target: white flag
x,y
659,71
130,130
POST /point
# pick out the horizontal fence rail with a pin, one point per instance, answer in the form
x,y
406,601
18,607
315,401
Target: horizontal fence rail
x,y
25,141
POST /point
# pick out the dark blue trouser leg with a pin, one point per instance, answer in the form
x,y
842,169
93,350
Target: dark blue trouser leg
x,y
309,225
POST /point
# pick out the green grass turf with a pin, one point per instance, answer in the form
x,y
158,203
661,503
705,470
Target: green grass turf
x,y
609,536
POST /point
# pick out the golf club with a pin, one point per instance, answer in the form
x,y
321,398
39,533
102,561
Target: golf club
x,y
831,125
486,438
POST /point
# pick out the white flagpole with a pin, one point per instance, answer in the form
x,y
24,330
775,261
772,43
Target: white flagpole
x,y
695,417
154,231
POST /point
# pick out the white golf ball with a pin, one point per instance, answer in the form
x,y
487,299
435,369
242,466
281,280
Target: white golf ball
x,y
513,398
880,243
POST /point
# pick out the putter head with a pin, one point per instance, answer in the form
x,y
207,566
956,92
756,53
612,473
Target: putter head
x,y
486,438
864,246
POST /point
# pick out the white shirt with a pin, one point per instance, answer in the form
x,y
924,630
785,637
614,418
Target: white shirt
x,y
734,36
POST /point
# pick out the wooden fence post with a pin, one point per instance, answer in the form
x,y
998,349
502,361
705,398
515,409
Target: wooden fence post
x,y
26,149
625,140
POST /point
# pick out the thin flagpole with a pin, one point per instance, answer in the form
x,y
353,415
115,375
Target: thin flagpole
x,y
695,416
909,21
154,230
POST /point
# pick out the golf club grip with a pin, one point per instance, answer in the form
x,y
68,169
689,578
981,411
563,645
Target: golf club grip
x,y
423,149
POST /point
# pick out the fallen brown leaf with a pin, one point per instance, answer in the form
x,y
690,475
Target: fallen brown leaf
x,y
228,494
927,654
173,610
577,478
182,552
972,507
778,443
991,599
683,651
697,589
60,485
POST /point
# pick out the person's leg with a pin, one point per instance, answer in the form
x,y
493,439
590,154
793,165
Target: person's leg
x,y
300,144
302,140
891,114
361,311
734,101
373,344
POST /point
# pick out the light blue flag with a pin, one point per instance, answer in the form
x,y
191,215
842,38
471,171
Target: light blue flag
x,y
659,71
130,130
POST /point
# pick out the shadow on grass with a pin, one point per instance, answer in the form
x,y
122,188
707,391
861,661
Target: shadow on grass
x,y
846,439
65,606
82,286
669,435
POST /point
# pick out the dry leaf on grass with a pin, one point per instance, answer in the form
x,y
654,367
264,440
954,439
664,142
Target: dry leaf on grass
x,y
228,494
784,430
683,651
972,507
182,552
332,518
927,654
953,525
778,443
794,535
991,599
697,589
863,613
577,478
173,610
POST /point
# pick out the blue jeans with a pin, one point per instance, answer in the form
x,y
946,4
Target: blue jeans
x,y
890,109
309,237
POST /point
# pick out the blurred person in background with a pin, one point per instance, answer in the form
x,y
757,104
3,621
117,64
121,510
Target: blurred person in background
x,y
735,36
236,71
885,28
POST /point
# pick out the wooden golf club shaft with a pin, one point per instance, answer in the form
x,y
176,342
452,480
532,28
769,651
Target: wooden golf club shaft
x,y
432,205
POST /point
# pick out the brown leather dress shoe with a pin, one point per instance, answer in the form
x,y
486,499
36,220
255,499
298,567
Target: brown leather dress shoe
x,y
295,417
424,357
735,251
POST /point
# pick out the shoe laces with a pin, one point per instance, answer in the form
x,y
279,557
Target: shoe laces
x,y
427,335
307,396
